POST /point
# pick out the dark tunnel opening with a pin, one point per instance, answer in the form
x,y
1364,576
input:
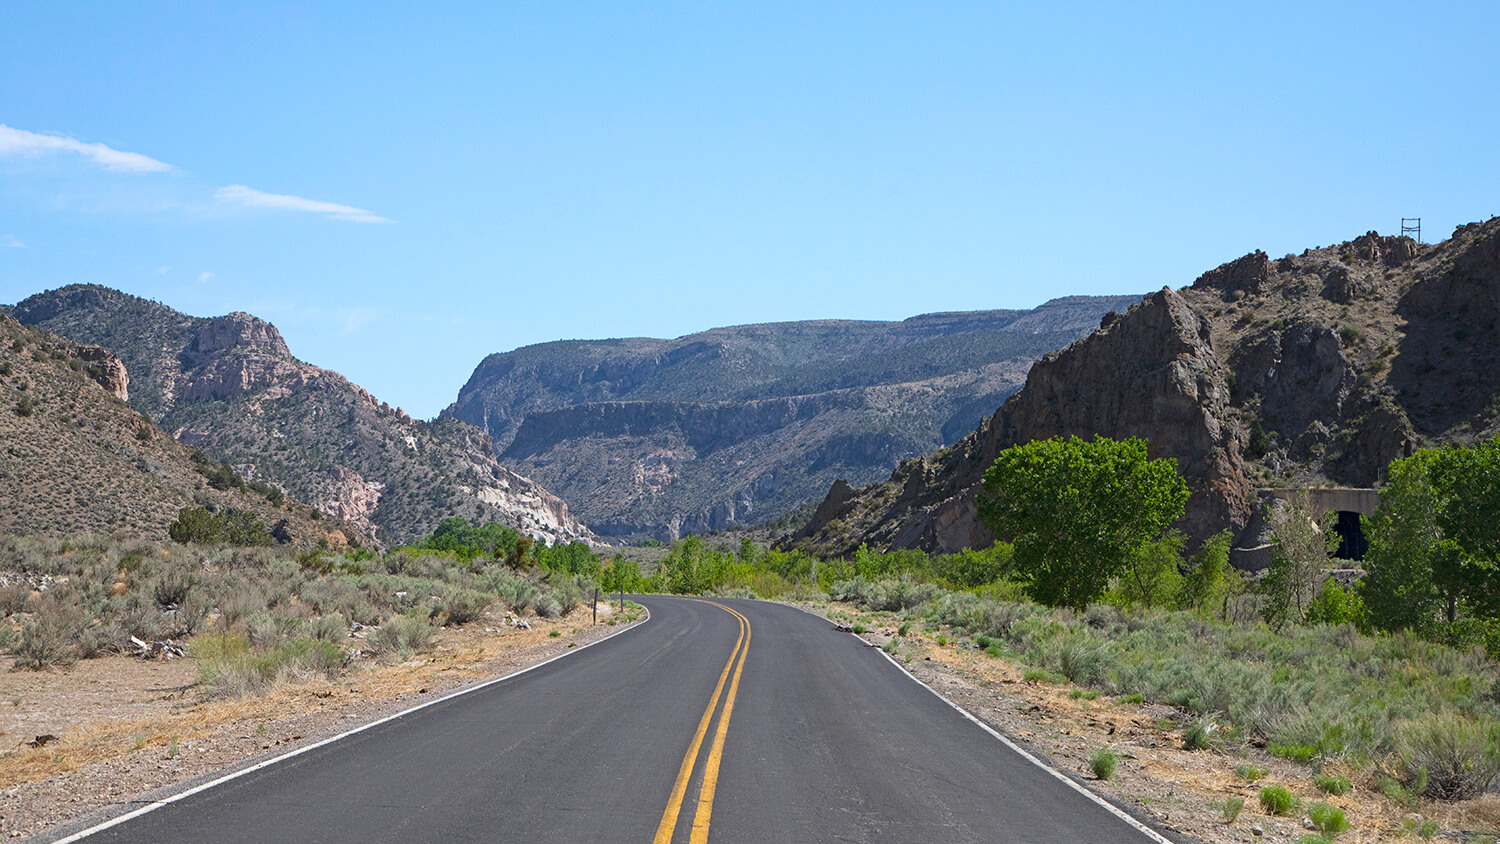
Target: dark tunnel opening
x,y
1352,541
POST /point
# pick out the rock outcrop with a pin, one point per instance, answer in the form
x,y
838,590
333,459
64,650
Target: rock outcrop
x,y
1152,374
659,438
106,471
240,330
230,386
1313,370
106,369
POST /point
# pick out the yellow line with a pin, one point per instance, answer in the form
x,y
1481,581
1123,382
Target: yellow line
x,y
711,768
679,788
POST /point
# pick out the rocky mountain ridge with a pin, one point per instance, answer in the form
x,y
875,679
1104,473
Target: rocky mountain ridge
x,y
76,458
740,424
230,386
1307,370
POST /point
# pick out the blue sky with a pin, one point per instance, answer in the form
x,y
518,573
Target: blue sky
x,y
405,188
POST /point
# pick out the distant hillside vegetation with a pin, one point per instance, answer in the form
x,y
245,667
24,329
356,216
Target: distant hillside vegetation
x,y
74,457
231,386
660,438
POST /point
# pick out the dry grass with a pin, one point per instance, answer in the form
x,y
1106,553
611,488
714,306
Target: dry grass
x,y
459,656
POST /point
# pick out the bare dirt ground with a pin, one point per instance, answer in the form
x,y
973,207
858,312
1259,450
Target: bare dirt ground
x,y
1183,791
124,726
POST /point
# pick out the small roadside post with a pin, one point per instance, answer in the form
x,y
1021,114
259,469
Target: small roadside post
x,y
596,605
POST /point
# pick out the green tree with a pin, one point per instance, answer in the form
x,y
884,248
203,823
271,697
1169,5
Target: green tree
x,y
1079,512
621,575
1401,588
196,524
1154,576
1467,480
1432,564
235,527
1210,580
570,558
1336,605
1300,549
241,527
748,552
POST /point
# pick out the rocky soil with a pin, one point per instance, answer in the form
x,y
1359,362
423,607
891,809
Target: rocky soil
x,y
1178,790
125,726
79,459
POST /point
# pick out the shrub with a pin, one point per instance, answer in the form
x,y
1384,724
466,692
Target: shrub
x,y
328,628
1250,773
13,599
1328,820
1200,736
1406,798
1460,758
25,406
403,634
1231,808
1103,762
1331,784
546,606
47,638
1276,800
172,586
465,605
1302,753
229,666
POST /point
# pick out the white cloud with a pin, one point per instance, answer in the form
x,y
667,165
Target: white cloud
x,y
19,143
162,270
252,198
10,242
205,276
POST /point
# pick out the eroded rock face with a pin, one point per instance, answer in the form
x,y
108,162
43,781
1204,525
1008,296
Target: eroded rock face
x,y
1391,251
1337,362
106,369
1345,287
1246,275
230,386
241,331
1300,376
351,497
226,378
1152,374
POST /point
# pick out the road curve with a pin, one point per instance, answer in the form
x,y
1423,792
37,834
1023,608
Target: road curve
x,y
725,720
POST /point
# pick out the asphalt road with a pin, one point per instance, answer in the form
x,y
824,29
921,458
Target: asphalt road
x,y
731,721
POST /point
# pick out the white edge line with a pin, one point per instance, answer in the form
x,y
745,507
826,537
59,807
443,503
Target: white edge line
x,y
157,804
1064,778
1025,754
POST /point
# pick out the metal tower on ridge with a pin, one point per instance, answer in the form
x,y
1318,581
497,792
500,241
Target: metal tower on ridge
x,y
1412,227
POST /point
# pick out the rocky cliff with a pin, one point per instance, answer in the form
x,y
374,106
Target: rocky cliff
x,y
738,425
1310,369
230,386
74,457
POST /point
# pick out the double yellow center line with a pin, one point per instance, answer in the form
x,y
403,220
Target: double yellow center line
x,y
715,753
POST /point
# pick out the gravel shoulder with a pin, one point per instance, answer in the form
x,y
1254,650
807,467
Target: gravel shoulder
x,y
124,727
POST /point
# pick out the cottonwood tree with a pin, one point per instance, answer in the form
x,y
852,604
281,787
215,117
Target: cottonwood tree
x,y
1300,549
1080,512
1432,562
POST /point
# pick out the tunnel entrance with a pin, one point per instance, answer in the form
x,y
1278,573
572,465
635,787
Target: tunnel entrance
x,y
1352,541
